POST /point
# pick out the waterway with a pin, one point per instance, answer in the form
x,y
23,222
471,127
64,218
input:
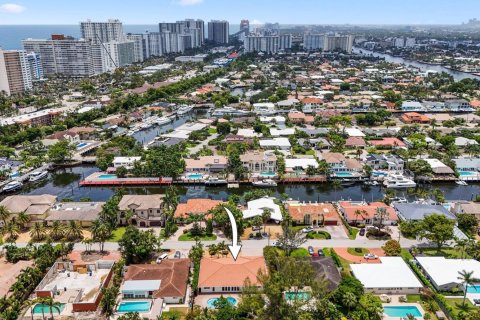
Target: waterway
x,y
457,75
64,183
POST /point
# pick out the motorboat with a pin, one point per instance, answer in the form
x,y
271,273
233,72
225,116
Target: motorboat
x,y
163,120
400,200
461,183
371,183
38,175
184,110
12,186
398,182
347,182
215,181
229,111
265,183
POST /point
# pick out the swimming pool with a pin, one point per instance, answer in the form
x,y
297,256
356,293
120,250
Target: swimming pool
x,y
467,173
134,306
379,174
343,174
401,311
211,302
45,309
107,176
82,145
473,288
299,296
195,176
267,174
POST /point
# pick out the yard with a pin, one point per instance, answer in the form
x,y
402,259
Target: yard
x,y
451,253
188,237
117,234
358,251
456,305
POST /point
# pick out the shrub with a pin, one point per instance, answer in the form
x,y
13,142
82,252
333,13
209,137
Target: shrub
x,y
392,248
377,234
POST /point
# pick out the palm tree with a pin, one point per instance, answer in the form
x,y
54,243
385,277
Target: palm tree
x,y
57,231
100,233
349,300
52,305
73,231
4,214
212,250
266,214
38,231
467,279
12,229
30,304
462,246
22,218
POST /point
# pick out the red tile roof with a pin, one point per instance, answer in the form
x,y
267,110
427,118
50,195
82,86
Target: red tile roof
x,y
369,210
196,206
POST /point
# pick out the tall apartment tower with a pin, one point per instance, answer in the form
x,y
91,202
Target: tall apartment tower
x,y
138,46
35,65
189,32
218,31
245,26
99,33
15,77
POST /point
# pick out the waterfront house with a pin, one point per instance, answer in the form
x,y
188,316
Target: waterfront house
x,y
313,213
256,207
259,161
412,106
418,211
167,281
300,165
467,164
196,207
71,136
83,213
384,162
141,210
126,162
34,206
414,117
439,169
458,105
206,164
391,276
466,207
366,213
339,164
225,275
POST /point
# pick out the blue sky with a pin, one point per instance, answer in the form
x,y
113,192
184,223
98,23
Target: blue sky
x,y
282,11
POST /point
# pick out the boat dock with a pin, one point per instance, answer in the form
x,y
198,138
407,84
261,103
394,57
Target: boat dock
x,y
103,179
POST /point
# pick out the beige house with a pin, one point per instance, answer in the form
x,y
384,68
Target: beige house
x,y
141,210
35,206
82,212
206,164
258,161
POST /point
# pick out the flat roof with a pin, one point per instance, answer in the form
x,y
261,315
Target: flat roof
x,y
444,271
393,272
141,285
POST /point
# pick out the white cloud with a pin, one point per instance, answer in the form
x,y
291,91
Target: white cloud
x,y
12,8
189,2
256,22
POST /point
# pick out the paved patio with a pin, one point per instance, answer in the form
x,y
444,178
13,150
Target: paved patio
x,y
343,252
202,299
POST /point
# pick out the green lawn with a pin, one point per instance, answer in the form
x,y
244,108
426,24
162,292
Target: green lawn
x,y
320,235
406,255
117,234
188,237
212,130
413,298
456,305
353,236
300,252
445,252
360,253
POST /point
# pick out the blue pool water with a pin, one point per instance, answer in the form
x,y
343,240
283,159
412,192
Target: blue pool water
x,y
195,176
211,302
343,174
466,173
134,306
299,296
45,309
401,311
81,145
473,289
379,174
107,176
267,174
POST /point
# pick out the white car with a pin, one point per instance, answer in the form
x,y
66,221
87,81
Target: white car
x,y
370,256
307,229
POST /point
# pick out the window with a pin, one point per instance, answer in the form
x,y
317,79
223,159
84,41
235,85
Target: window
x,y
128,295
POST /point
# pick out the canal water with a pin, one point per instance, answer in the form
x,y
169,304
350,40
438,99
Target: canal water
x,y
457,75
65,184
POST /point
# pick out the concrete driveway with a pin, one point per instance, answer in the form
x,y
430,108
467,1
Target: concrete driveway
x,y
337,232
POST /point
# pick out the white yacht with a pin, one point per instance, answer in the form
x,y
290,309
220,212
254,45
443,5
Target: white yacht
x,y
215,181
398,182
163,120
12,186
184,110
265,183
38,175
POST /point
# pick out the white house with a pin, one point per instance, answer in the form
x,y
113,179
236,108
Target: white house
x,y
392,276
276,143
126,162
266,108
256,207
301,163
282,132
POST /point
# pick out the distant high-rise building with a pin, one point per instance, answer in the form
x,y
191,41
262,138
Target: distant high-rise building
x,y
190,33
138,46
258,43
218,31
117,54
245,26
313,41
15,76
410,42
285,41
35,66
65,56
328,42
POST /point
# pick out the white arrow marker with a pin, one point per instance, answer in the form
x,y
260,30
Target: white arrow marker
x,y
234,248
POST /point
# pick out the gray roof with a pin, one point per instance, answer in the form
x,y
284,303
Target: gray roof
x,y
325,268
418,211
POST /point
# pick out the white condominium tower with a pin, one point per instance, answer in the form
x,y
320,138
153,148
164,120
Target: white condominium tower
x,y
218,31
15,76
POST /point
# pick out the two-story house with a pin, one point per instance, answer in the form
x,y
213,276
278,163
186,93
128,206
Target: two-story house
x,y
206,164
384,162
141,210
258,161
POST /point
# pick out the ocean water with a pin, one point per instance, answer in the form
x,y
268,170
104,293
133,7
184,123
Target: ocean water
x,y
11,36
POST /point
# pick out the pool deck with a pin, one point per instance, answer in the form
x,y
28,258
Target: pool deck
x,y
155,311
95,180
202,299
395,303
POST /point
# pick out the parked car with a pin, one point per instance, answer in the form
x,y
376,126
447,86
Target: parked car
x,y
310,250
321,253
307,229
256,228
162,257
362,232
178,255
370,256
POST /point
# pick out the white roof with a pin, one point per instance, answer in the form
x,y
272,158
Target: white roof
x,y
303,162
461,141
282,132
255,208
277,119
249,133
141,285
445,271
190,127
126,159
435,163
354,132
276,142
393,272
177,134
